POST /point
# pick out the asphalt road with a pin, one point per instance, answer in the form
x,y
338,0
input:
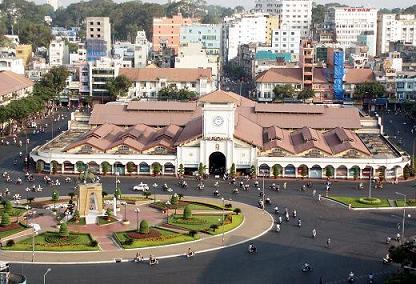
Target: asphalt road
x,y
399,128
357,238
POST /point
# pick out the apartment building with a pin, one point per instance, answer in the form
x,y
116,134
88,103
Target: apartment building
x,y
58,52
98,37
208,35
348,23
242,29
292,14
166,31
395,27
287,41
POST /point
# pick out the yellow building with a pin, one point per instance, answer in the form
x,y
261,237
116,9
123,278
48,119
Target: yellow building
x,y
271,24
24,52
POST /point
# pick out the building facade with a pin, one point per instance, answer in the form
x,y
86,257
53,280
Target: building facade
x,y
58,52
208,35
141,50
349,22
13,87
147,82
166,31
98,37
242,29
292,14
395,27
223,130
13,64
287,41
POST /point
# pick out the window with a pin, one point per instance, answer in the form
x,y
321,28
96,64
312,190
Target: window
x,y
98,24
91,29
86,149
91,35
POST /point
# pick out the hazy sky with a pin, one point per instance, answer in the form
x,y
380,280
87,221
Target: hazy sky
x,y
250,3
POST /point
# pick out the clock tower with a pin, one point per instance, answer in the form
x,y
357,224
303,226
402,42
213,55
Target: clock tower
x,y
218,111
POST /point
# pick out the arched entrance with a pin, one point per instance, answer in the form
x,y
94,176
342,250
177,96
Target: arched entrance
x,y
217,163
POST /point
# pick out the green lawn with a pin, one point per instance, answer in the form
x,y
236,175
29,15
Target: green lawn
x,y
16,212
354,201
167,237
80,222
80,242
194,205
4,234
400,202
203,223
102,220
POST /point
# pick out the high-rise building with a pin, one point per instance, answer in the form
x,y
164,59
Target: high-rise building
x,y
98,37
58,52
242,29
286,41
208,35
349,23
306,63
292,14
166,32
392,28
141,50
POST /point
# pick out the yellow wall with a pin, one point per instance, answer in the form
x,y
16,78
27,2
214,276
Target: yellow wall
x,y
24,52
272,24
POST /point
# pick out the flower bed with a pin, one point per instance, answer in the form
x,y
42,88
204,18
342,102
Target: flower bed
x,y
153,233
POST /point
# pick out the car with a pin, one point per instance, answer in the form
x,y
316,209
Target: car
x,y
141,187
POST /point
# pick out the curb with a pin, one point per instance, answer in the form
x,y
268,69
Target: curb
x,y
367,209
116,260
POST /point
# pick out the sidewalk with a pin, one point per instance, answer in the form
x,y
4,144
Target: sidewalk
x,y
255,224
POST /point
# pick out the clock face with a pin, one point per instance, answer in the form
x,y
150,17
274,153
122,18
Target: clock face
x,y
218,121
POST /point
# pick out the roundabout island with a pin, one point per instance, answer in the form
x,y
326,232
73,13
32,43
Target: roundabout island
x,y
98,229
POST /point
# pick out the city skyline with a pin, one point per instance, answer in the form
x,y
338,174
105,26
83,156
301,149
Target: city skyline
x,y
250,3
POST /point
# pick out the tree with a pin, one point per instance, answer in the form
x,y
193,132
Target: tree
x,y
303,170
201,169
144,227
277,170
369,90
252,171
237,211
157,168
171,92
174,199
232,170
105,167
63,230
406,172
5,219
131,167
117,192
55,79
119,86
54,165
81,167
147,194
108,213
329,171
305,94
282,92
55,196
8,207
187,212
181,170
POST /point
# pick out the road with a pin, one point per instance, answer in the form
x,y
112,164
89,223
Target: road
x,y
357,238
399,128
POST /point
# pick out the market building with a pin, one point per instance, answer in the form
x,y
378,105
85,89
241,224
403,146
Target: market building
x,y
220,131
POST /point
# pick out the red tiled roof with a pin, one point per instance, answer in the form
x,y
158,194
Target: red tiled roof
x,y
356,76
280,75
170,74
11,82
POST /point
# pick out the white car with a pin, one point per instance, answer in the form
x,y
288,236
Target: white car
x,y
141,187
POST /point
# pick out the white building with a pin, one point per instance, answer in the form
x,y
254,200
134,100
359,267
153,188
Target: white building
x,y
241,29
294,14
393,27
193,55
147,82
58,52
141,50
13,64
287,41
223,130
348,23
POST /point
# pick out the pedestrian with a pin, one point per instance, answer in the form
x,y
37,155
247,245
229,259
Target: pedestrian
x,y
284,185
313,193
398,226
328,242
319,197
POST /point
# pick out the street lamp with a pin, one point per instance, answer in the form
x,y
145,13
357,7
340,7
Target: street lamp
x,y
404,215
155,187
27,189
223,215
137,210
262,194
125,211
369,184
44,275
33,237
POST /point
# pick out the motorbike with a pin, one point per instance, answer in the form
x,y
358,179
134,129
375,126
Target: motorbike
x,y
67,180
387,259
299,223
306,268
351,278
153,261
252,249
235,191
216,193
268,201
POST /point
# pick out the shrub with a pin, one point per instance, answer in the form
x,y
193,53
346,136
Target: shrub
x,y
228,205
214,227
181,169
187,212
94,243
174,199
128,242
8,207
147,194
193,233
144,227
76,215
105,167
55,195
369,201
63,230
10,243
237,211
253,171
5,219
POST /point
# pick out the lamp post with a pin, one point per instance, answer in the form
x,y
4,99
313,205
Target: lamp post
x,y
223,215
137,210
44,275
27,214
33,237
167,211
404,215
262,194
154,187
125,211
369,184
27,189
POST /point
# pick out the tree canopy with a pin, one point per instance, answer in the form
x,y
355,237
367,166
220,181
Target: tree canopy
x,y
173,93
283,91
369,90
119,86
305,94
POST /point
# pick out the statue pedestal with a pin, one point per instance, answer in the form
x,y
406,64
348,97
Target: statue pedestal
x,y
125,222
